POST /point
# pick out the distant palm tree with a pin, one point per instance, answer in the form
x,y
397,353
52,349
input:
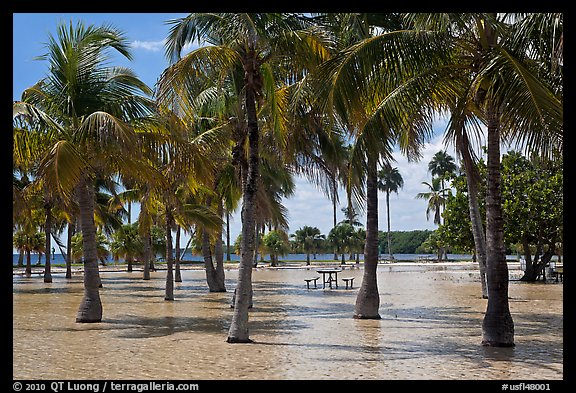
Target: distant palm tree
x,y
442,165
126,243
306,238
389,180
342,238
435,198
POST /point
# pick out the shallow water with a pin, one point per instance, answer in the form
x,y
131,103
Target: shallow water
x,y
430,329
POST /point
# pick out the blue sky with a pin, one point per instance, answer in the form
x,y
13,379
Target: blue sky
x,y
146,32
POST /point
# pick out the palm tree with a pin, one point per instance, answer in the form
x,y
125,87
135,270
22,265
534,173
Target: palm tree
x,y
249,43
359,86
126,243
342,238
306,238
26,243
276,243
389,180
436,199
91,104
442,165
514,87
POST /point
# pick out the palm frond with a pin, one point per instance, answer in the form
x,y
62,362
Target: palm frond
x,y
62,168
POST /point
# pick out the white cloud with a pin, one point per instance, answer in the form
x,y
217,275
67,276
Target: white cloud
x,y
157,46
152,46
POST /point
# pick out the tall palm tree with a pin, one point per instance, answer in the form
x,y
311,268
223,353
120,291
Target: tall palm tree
x,y
514,85
90,104
389,180
359,86
442,165
252,44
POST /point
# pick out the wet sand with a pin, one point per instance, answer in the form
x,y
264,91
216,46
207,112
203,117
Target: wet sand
x,y
430,329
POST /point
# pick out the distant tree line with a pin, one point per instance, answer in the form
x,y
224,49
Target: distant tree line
x,y
403,242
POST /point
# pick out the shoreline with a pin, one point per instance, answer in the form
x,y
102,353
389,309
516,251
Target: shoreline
x,y
298,265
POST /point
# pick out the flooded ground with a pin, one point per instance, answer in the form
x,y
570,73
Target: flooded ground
x,y
430,329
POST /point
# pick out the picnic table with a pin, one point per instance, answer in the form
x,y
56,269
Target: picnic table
x,y
332,276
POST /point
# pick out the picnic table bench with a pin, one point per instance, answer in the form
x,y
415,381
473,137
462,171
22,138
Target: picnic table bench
x,y
348,279
313,279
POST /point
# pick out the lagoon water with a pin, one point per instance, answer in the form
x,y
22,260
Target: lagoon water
x,y
430,329
59,259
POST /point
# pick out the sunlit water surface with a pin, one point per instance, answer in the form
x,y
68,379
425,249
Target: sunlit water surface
x,y
430,329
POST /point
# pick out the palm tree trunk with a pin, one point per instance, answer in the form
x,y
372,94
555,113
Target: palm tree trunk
x,y
368,299
169,258
214,278
178,276
219,255
147,255
334,190
211,276
91,306
256,245
28,270
238,332
71,230
472,177
228,236
388,220
497,326
48,232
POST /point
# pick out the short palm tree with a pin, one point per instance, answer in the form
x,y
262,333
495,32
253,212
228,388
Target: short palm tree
x,y
342,238
126,243
306,238
89,104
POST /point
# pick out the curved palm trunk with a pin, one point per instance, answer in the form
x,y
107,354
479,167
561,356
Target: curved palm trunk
x,y
211,278
238,332
475,217
169,260
48,231
214,274
368,299
478,233
497,326
91,306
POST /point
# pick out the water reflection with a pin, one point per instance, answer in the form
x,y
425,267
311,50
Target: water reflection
x,y
430,329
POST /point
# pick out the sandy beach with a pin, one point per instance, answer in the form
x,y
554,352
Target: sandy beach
x,y
430,328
